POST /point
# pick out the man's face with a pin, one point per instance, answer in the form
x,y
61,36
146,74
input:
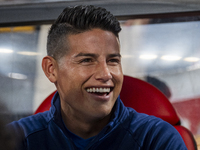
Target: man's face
x,y
89,76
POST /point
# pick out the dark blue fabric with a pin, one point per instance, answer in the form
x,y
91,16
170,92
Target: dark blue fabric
x,y
127,130
79,142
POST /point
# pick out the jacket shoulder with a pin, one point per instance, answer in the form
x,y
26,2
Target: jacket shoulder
x,y
146,129
30,124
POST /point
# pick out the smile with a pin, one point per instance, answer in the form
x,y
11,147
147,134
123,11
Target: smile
x,y
98,90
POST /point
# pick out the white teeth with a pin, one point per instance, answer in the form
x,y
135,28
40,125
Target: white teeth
x,y
100,90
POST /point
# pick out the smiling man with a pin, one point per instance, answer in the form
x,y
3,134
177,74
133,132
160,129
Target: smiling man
x,y
84,63
88,79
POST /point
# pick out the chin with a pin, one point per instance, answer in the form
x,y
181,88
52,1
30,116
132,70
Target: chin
x,y
103,113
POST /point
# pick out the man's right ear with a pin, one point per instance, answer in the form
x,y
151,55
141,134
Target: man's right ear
x,y
49,66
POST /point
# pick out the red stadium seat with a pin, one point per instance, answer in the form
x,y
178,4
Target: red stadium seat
x,y
145,98
187,137
46,104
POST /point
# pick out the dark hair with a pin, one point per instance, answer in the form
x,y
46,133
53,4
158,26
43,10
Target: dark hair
x,y
75,20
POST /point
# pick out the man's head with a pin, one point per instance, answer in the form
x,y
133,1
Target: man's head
x,y
75,20
84,62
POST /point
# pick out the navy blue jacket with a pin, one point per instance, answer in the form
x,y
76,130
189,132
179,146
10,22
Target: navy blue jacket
x,y
127,130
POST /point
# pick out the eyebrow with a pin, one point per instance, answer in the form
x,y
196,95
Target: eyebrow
x,y
96,55
115,55
86,54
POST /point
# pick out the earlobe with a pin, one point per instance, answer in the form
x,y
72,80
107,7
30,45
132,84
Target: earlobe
x,y
49,68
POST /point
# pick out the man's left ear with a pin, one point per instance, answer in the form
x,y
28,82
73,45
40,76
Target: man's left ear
x,y
49,66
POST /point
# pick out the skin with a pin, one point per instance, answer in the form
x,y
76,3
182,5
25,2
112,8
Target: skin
x,y
93,60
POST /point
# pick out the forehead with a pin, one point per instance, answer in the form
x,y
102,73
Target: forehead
x,y
95,40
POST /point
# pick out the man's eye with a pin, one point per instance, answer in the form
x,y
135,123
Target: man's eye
x,y
114,60
86,60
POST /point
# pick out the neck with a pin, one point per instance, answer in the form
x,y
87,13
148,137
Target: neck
x,y
85,128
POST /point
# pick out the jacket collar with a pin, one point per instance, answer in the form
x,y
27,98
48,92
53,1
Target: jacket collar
x,y
119,113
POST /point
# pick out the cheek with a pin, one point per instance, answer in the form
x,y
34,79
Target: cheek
x,y
75,73
117,74
118,79
78,76
84,72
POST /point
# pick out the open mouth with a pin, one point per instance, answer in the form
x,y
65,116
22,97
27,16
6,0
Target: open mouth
x,y
100,91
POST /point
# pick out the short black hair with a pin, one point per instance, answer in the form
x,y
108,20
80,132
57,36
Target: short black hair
x,y
75,20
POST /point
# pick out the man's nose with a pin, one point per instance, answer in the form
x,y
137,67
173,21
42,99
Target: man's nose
x,y
103,73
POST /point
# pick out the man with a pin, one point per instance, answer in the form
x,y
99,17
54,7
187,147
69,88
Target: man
x,y
84,63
